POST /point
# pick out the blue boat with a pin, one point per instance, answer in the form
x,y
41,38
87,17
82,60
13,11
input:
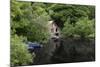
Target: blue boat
x,y
33,46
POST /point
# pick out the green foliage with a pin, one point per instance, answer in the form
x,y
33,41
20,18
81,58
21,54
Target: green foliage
x,y
84,27
19,52
68,30
60,13
29,19
20,15
38,30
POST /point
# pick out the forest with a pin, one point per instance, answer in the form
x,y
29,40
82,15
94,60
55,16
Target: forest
x,y
29,24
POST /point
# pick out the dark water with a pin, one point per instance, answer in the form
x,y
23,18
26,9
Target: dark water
x,y
66,51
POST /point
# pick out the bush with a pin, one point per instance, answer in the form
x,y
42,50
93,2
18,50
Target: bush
x,y
29,20
38,30
19,52
68,29
84,27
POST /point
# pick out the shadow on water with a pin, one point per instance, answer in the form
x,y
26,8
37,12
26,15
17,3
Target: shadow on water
x,y
66,51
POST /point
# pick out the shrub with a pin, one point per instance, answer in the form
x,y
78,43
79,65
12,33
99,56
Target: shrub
x,y
84,27
19,52
68,29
